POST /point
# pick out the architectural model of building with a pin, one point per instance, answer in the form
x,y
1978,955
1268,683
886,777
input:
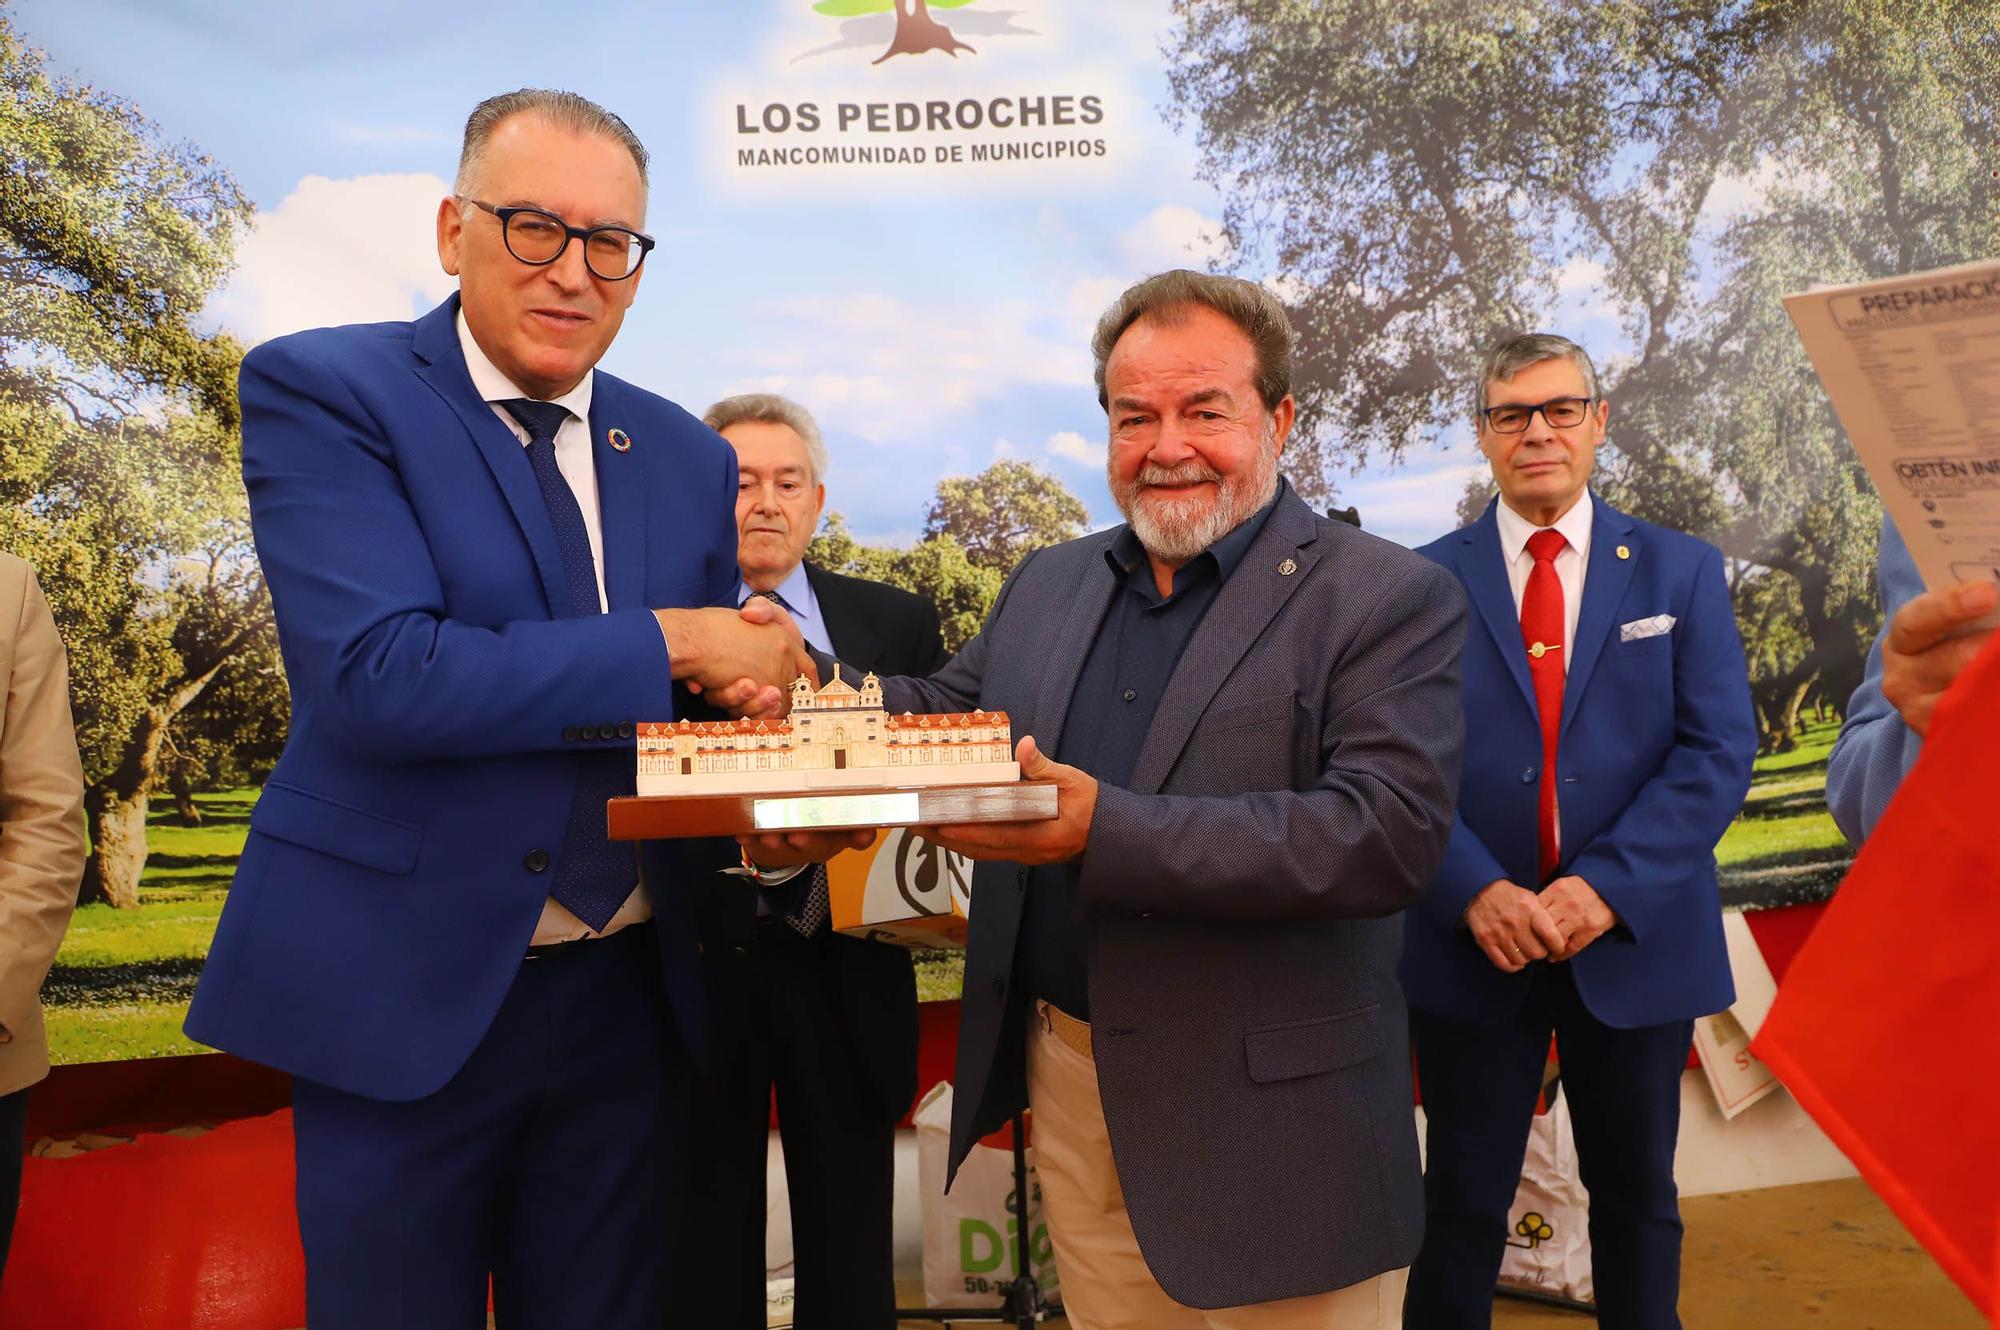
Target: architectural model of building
x,y
837,738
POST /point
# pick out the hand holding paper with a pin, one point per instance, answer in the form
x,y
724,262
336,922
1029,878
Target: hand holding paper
x,y
1928,646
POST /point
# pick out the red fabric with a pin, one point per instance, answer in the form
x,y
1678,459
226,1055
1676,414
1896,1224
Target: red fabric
x,y
1542,634
162,1234
1885,1027
151,1093
1780,933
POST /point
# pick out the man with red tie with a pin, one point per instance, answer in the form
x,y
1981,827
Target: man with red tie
x,y
1609,737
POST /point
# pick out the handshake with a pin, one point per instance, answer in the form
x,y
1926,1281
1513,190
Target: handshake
x,y
743,661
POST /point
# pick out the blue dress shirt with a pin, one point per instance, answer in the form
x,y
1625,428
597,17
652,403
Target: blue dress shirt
x,y
1875,748
796,593
1123,679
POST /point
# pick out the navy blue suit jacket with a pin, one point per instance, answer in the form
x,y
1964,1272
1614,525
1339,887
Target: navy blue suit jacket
x,y
1653,761
403,848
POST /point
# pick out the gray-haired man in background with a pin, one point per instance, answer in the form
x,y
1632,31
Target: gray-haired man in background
x,y
827,1021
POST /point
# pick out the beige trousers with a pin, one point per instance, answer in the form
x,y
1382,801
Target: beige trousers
x,y
1105,1282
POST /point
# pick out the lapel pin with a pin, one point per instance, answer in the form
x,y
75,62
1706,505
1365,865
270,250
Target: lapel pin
x,y
1287,568
1624,551
621,442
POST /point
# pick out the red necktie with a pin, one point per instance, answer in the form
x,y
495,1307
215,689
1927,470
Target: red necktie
x,y
1542,634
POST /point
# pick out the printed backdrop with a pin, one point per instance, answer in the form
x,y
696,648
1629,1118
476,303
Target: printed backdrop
x,y
908,216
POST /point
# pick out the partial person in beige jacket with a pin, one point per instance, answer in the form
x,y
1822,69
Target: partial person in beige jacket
x,y
41,850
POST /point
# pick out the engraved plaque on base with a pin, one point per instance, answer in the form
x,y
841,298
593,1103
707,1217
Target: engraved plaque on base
x,y
667,817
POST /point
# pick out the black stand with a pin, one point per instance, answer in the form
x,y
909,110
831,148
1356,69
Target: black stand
x,y
1022,1305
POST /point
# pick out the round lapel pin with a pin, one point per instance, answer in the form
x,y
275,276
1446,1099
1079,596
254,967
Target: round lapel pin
x,y
621,442
1287,568
1624,551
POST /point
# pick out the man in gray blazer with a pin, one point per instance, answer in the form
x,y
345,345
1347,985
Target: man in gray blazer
x,y
1252,713
41,849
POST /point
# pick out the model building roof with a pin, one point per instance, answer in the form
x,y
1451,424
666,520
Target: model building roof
x,y
783,728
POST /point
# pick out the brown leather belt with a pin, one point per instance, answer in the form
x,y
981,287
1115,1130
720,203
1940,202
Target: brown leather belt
x,y
1066,1027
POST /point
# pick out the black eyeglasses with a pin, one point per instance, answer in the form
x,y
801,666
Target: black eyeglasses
x,y
1560,412
539,237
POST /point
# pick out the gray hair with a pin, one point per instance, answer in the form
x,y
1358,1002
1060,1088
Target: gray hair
x,y
564,110
1166,298
1522,350
771,409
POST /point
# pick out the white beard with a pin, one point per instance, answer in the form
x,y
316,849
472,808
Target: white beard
x,y
1175,530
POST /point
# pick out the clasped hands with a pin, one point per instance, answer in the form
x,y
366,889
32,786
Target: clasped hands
x,y
743,660
1514,926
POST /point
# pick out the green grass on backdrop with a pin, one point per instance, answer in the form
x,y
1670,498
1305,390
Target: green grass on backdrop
x,y
122,981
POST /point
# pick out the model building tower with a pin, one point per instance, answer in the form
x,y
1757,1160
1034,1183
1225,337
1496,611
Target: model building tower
x,y
838,737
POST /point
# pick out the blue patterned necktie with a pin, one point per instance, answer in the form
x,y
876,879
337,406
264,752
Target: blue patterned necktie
x,y
811,915
593,875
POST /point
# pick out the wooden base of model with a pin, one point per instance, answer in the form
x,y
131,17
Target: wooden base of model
x,y
668,817
837,761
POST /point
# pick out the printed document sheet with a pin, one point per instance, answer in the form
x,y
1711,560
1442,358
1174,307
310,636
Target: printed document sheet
x,y
1912,366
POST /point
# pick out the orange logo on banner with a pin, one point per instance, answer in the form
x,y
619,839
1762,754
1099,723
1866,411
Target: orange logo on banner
x,y
902,889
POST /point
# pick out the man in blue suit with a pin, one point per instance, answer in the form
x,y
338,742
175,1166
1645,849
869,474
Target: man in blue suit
x,y
487,560
1927,640
1609,737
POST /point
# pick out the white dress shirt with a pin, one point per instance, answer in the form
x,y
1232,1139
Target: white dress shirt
x,y
573,459
1570,564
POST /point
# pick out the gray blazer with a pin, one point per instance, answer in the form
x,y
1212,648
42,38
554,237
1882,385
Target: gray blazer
x,y
1294,795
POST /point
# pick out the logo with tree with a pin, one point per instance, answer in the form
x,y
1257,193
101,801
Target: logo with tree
x,y
909,28
1534,1228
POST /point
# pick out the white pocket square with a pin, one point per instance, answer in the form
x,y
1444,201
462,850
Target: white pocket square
x,y
1640,629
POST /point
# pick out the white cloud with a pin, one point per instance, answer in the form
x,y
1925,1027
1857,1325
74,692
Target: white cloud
x,y
337,251
1289,287
1068,443
1580,286
1741,191
1736,193
1579,277
354,134
1086,302
1416,502
891,366
1172,237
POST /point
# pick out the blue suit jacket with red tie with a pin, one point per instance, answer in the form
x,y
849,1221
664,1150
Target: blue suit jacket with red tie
x,y
1653,761
401,852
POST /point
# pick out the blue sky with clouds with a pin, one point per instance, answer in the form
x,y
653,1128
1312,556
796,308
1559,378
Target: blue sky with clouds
x,y
935,318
